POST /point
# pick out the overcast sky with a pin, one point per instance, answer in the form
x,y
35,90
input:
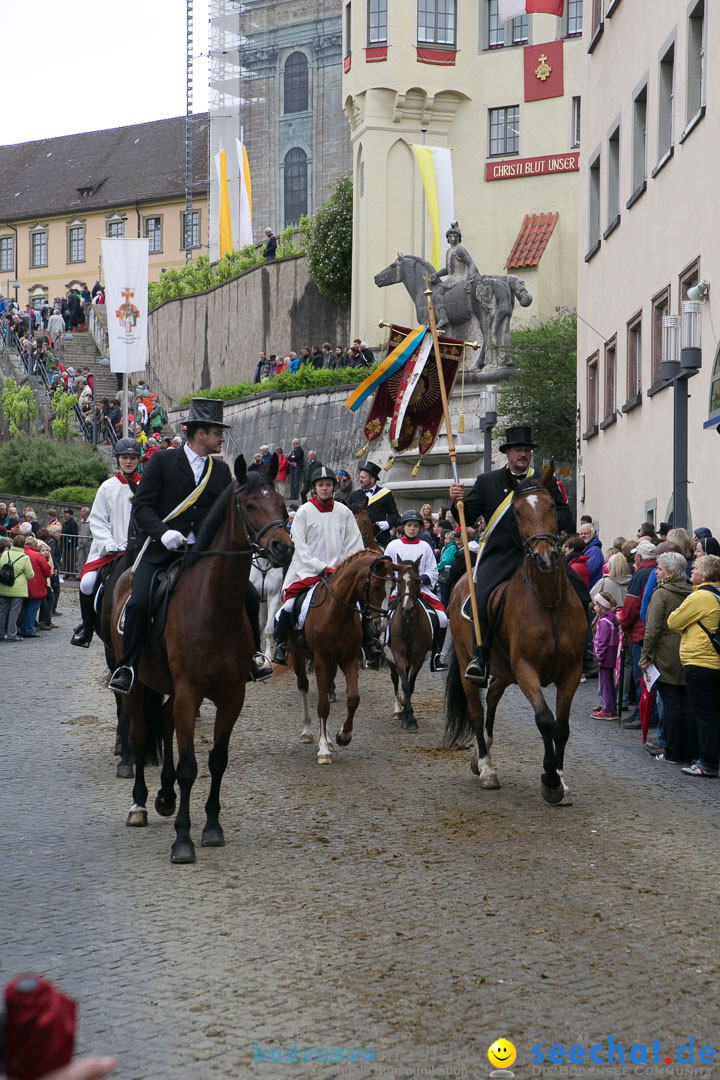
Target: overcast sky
x,y
80,67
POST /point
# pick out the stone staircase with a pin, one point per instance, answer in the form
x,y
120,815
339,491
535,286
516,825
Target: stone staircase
x,y
79,351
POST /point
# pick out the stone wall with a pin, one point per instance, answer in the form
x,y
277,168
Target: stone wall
x,y
214,338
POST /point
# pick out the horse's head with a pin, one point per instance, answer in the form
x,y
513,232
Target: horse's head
x,y
517,286
379,583
408,585
391,275
536,517
261,513
365,525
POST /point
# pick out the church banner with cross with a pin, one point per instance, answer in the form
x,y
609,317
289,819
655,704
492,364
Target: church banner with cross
x,y
125,270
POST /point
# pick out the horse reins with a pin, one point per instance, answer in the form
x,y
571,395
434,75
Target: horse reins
x,y
254,547
366,606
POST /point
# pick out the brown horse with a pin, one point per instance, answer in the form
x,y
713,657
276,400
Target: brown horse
x,y
208,643
409,639
333,637
365,525
539,637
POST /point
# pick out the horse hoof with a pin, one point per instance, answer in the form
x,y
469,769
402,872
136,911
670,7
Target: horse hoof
x,y
566,800
164,807
307,737
183,852
332,698
553,795
343,740
397,717
474,767
137,818
124,772
213,837
324,759
489,782
410,725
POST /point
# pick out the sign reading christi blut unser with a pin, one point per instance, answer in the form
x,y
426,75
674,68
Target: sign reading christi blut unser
x,y
534,166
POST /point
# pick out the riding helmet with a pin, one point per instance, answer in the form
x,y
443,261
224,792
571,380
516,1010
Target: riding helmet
x,y
323,473
128,446
411,515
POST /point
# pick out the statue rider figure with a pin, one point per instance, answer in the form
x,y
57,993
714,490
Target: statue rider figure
x,y
459,270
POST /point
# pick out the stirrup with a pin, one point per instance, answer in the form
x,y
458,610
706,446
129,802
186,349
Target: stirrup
x,y
82,636
123,680
438,664
260,668
477,671
281,653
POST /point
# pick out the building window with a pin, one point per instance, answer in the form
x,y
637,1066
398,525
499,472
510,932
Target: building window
x,y
76,244
634,357
190,229
597,17
715,387
296,186
152,229
639,147
7,254
594,204
38,248
505,130
665,103
660,308
377,22
520,30
613,205
574,18
436,22
348,27
296,83
496,29
591,374
610,376
689,277
575,121
113,229
695,96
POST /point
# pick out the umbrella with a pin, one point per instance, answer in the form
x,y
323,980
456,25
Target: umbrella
x,y
647,700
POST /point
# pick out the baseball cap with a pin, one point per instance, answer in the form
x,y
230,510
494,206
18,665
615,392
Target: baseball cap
x,y
645,549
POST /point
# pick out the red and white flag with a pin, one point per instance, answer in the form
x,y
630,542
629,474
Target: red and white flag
x,y
511,9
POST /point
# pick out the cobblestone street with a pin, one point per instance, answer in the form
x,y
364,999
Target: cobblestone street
x,y
385,903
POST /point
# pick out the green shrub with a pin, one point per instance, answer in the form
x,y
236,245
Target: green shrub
x,y
74,493
307,378
329,248
17,406
36,466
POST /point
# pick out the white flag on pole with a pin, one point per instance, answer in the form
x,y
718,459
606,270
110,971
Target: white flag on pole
x,y
125,266
246,227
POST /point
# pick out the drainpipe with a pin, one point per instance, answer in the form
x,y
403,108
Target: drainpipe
x,y
137,214
16,254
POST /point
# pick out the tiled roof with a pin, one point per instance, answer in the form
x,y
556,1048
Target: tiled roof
x,y
531,241
114,167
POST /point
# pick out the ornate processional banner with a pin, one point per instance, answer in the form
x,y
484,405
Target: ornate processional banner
x,y
125,268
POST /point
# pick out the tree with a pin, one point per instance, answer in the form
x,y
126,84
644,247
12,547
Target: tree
x,y
18,406
329,247
63,405
542,391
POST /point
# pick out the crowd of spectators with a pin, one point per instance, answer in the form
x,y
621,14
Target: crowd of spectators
x,y
326,356
35,553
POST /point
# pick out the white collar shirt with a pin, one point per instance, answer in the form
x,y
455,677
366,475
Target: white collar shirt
x,y
197,463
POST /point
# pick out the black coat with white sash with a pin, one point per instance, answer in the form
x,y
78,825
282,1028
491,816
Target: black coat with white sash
x,y
381,507
166,481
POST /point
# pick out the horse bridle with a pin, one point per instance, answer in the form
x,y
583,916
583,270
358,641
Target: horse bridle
x,y
365,606
254,547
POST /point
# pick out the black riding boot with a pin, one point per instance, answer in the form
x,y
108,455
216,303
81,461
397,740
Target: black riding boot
x,y
260,666
436,661
283,626
372,646
83,633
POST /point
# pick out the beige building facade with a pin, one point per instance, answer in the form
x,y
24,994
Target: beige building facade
x,y
59,197
648,232
506,99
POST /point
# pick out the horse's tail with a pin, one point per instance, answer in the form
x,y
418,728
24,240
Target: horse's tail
x,y
457,717
153,715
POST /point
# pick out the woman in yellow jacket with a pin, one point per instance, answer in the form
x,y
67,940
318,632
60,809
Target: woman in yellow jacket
x,y
12,596
696,618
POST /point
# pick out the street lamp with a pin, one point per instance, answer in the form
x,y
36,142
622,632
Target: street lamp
x,y
488,420
16,286
681,359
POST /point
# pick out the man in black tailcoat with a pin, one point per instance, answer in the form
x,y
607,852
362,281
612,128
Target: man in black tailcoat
x,y
191,474
381,502
501,550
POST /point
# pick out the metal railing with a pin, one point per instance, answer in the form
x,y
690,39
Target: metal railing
x,y
98,331
73,554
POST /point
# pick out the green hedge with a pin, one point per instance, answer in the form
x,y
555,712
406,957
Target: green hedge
x,y
307,378
36,466
74,493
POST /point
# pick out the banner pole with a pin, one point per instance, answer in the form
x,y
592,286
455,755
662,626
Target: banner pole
x,y
453,462
126,429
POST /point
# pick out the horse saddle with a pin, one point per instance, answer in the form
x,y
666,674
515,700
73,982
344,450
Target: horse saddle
x,y
163,582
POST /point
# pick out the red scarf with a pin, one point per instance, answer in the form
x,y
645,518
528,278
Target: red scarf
x,y
406,540
125,479
323,507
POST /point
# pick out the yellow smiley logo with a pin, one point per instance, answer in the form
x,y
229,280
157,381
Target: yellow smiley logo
x,y
502,1054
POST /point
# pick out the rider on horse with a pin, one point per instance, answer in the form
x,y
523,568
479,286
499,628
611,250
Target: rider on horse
x,y
459,270
109,521
501,551
324,532
381,506
178,489
409,548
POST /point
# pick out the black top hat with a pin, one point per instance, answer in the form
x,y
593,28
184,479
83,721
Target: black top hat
x,y
206,411
518,436
370,467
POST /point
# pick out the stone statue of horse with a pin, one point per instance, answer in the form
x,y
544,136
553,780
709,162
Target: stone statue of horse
x,y
493,298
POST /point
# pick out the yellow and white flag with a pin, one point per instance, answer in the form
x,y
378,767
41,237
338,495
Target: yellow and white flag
x,y
245,232
225,226
435,167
